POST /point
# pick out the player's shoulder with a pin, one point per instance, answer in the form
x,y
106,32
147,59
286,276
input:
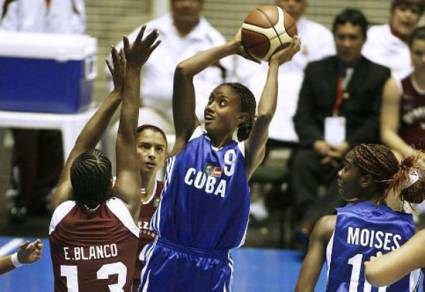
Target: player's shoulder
x,y
325,227
60,212
120,210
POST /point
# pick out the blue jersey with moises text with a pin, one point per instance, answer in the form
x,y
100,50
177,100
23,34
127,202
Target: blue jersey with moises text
x,y
205,201
361,230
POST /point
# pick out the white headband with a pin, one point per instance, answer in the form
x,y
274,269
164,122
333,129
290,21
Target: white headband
x,y
414,176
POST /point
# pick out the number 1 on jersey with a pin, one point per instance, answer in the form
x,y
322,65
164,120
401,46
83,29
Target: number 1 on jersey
x,y
356,262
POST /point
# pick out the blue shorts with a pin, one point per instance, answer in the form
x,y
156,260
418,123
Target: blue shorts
x,y
170,267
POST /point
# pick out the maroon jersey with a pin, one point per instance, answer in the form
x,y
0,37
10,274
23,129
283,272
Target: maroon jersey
x,y
146,233
412,114
93,250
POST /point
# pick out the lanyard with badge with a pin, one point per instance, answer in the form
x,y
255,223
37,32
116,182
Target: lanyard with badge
x,y
335,125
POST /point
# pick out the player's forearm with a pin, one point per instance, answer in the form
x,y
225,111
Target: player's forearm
x,y
202,60
268,100
130,104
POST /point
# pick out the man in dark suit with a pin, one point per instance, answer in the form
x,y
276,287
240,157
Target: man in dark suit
x,y
344,92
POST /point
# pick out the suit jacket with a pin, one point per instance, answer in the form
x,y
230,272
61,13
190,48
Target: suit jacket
x,y
361,109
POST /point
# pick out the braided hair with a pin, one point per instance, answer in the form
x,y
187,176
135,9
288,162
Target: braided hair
x,y
388,174
410,180
91,175
378,161
248,105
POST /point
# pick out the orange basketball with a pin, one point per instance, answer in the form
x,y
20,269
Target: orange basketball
x,y
266,29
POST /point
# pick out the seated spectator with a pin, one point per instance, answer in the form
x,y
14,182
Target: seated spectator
x,y
403,107
37,157
387,44
337,109
183,33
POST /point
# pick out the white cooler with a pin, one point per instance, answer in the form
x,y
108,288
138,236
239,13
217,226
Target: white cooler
x,y
46,72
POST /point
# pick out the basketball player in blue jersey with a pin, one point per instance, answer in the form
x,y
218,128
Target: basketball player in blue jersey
x,y
364,227
204,207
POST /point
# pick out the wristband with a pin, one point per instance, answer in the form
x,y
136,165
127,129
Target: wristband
x,y
15,260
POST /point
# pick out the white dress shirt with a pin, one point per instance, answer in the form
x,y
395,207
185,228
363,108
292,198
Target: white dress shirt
x,y
62,16
386,49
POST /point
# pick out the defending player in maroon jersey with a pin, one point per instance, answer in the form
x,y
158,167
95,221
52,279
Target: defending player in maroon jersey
x,y
94,236
151,148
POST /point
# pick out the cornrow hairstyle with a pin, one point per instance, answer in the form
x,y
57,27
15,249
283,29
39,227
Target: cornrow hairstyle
x,y
91,175
248,105
379,162
412,167
141,128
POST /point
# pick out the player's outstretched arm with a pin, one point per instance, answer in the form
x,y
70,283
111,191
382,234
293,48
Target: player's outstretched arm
x,y
391,267
185,120
94,129
127,186
313,261
267,107
28,253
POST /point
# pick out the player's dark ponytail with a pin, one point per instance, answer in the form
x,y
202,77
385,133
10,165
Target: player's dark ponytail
x,y
248,105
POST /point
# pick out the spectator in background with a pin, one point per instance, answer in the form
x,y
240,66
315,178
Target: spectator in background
x,y
37,154
387,44
316,43
183,32
403,108
337,109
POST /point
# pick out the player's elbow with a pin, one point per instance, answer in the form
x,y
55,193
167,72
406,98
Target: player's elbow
x,y
373,276
182,70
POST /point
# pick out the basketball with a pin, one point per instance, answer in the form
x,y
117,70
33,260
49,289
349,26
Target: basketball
x,y
266,29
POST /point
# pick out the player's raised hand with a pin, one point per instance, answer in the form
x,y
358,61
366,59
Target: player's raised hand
x,y
30,252
139,51
241,50
117,68
286,53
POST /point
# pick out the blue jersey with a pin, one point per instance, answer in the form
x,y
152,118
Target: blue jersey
x,y
362,230
205,201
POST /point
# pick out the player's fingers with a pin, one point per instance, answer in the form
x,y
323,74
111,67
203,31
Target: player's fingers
x,y
140,34
155,45
24,245
152,36
109,66
126,43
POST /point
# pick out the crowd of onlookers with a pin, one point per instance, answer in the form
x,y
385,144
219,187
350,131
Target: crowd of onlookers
x,y
354,84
